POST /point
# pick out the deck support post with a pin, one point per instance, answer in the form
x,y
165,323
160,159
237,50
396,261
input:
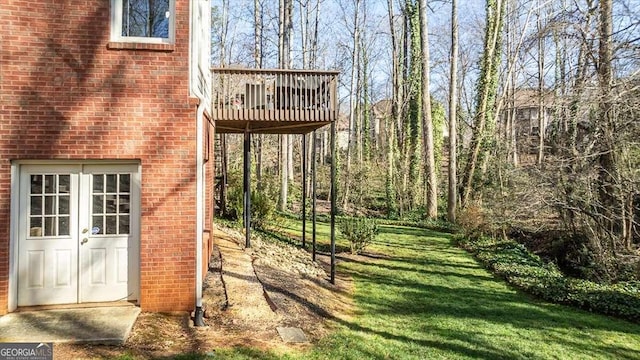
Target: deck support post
x,y
333,202
247,188
313,196
304,190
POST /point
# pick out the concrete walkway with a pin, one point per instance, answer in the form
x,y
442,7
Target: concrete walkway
x,y
96,325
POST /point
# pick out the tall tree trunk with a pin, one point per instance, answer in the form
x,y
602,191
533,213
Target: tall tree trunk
x,y
487,88
416,97
541,90
290,167
314,43
366,109
258,26
304,31
402,125
352,102
284,60
452,197
223,32
284,181
394,119
258,16
608,167
510,109
288,33
431,182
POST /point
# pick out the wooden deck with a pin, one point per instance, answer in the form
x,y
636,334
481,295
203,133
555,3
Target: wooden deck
x,y
273,101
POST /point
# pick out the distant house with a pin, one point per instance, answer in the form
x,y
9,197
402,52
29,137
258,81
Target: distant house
x,y
105,183
342,138
381,115
523,108
526,108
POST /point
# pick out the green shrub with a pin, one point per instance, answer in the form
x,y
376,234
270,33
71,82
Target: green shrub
x,y
527,271
234,195
360,232
263,201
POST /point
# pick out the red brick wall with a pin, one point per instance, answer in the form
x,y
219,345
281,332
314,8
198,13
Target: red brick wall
x,y
65,94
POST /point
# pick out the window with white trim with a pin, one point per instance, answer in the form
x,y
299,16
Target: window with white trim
x,y
144,21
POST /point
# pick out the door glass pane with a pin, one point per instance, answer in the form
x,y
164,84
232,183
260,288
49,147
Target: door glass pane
x,y
50,205
63,205
98,206
50,226
125,181
36,184
111,225
64,184
112,184
98,183
110,204
35,226
50,184
96,223
36,205
123,204
63,225
123,224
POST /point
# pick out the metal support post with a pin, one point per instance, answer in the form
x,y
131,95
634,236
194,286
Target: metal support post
x,y
313,196
333,202
247,188
304,190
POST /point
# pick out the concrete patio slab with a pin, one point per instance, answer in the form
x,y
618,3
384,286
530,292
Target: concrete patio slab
x,y
99,325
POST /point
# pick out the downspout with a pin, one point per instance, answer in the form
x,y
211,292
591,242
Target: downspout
x,y
198,318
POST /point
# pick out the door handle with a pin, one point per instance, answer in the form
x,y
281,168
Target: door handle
x,y
84,241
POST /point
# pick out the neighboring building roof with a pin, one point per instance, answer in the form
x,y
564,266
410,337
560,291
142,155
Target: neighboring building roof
x,y
343,122
382,108
528,97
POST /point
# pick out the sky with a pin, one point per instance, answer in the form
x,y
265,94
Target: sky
x,y
336,39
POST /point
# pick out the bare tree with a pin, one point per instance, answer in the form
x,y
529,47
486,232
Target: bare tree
x,y
608,167
258,20
285,61
452,197
355,52
541,86
431,182
390,184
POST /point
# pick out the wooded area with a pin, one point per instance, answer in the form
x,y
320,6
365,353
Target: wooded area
x,y
517,118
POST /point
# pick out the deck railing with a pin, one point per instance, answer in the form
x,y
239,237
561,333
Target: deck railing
x,y
274,95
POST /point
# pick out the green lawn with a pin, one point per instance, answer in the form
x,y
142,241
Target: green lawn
x,y
432,300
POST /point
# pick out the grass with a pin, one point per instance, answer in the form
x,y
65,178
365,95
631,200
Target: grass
x,y
432,300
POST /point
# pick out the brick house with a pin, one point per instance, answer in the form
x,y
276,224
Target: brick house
x,y
105,178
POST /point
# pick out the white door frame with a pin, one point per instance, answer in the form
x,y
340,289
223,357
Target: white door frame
x,y
14,226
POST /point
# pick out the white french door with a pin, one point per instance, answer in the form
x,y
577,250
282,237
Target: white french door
x,y
78,234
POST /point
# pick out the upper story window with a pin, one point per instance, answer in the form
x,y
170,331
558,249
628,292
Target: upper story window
x,y
143,21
